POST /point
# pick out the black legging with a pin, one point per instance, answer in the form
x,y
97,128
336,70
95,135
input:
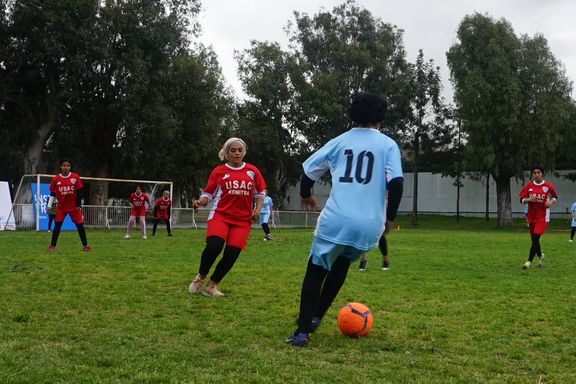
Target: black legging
x,y
155,226
214,245
319,289
266,228
572,233
50,221
535,247
58,228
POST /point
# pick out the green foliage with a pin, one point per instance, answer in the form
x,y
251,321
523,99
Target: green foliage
x,y
445,313
104,83
265,119
513,99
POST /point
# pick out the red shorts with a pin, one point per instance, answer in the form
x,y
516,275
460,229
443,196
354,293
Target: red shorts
x,y
162,215
75,214
138,212
235,233
538,227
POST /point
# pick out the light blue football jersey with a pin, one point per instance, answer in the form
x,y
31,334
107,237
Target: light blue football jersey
x,y
266,205
573,211
360,161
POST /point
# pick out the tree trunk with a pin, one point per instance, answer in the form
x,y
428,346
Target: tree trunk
x,y
488,197
504,201
34,152
99,195
458,197
415,189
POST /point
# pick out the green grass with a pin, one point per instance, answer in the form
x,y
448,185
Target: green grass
x,y
456,307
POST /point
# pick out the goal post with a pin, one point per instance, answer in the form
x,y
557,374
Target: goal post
x,y
29,206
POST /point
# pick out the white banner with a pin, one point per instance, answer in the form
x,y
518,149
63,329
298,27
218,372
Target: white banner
x,y
5,208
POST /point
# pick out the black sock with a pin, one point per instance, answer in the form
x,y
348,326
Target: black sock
x,y
534,247
332,284
82,233
310,294
56,233
266,229
168,226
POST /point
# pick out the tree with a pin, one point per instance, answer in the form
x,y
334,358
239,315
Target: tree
x,y
298,99
512,96
104,83
267,74
341,53
425,120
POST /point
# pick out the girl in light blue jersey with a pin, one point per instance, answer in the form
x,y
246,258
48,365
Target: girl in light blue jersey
x,y
265,215
573,229
364,163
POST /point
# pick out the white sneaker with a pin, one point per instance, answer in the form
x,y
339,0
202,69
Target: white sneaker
x,y
127,236
195,285
541,261
568,240
144,237
526,265
211,290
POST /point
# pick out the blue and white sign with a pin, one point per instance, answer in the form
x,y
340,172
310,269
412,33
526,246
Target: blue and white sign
x,y
43,212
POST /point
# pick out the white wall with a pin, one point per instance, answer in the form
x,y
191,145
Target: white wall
x,y
437,194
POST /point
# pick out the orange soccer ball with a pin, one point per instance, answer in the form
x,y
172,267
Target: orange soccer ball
x,y
355,319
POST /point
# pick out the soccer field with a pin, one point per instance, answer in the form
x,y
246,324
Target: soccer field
x,y
456,307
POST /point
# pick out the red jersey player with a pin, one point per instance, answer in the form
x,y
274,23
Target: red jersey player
x,y
232,189
162,212
139,202
539,195
66,188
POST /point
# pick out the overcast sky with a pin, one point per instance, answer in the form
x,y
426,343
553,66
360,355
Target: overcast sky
x,y
229,25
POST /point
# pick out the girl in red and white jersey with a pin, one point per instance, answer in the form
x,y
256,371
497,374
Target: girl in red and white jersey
x,y
162,212
139,202
540,195
66,188
232,188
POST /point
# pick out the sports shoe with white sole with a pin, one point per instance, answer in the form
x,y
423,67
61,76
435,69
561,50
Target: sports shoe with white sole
x,y
526,265
541,261
211,290
195,285
363,265
127,236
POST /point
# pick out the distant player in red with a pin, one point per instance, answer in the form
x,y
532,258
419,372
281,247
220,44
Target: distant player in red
x,y
162,212
139,202
232,188
66,188
540,196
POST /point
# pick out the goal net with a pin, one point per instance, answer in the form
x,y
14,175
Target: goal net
x,y
105,202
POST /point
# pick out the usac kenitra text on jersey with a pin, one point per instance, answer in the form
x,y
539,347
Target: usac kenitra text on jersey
x,y
163,204
232,190
138,201
66,188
